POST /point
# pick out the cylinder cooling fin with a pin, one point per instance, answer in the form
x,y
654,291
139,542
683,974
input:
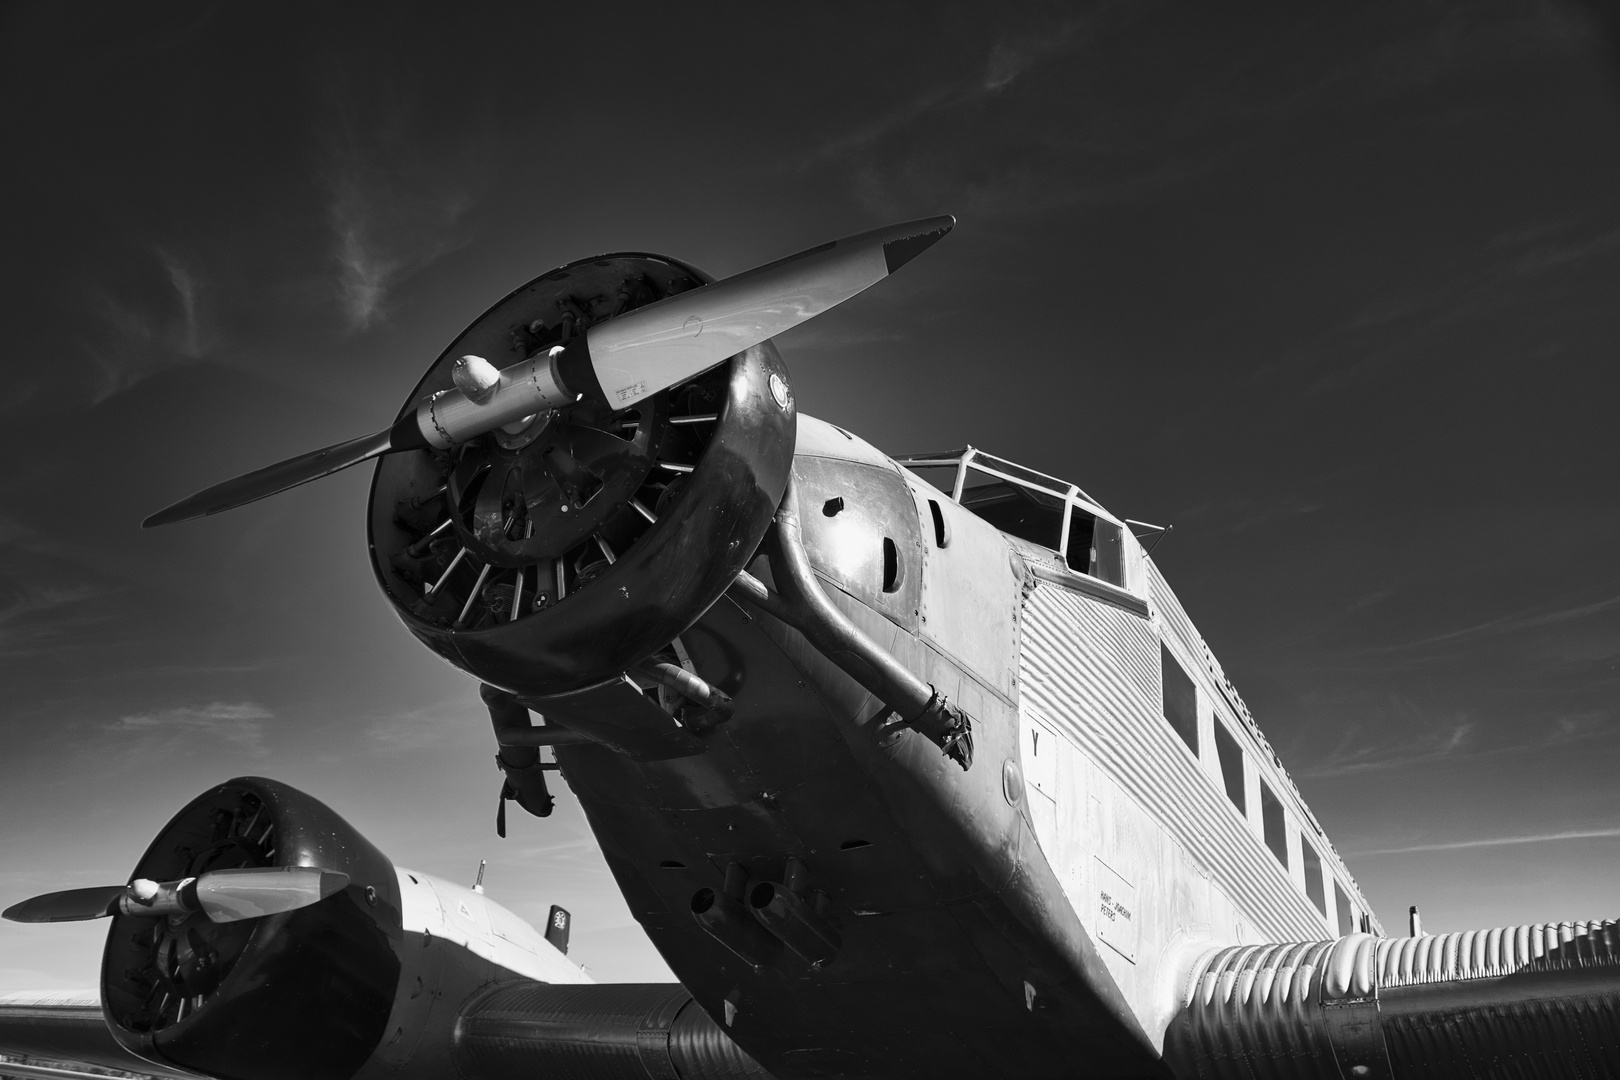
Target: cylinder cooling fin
x,y
553,553
1526,1002
304,993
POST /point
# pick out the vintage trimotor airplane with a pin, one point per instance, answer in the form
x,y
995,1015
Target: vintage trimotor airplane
x,y
903,779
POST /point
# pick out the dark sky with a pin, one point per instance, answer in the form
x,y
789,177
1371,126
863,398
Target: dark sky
x,y
1331,289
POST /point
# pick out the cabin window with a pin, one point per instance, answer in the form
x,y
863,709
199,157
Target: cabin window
x,y
1347,913
1273,823
1180,700
1313,874
1231,756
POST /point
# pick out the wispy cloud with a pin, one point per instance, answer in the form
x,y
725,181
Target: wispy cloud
x,y
42,598
37,617
1100,107
397,194
1457,740
1008,60
240,723
1353,756
1512,624
427,726
138,339
1390,331
1493,841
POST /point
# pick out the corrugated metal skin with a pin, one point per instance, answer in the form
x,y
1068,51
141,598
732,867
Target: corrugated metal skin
x,y
1171,613
1567,1038
1533,1001
1482,954
1177,625
1537,1002
1252,1014
606,1032
1093,670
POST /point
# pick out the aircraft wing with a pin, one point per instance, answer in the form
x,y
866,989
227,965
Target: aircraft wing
x,y
1537,1000
57,1032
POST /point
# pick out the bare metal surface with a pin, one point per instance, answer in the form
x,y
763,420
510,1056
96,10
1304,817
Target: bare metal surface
x,y
63,1026
804,606
523,389
1480,954
40,1071
1530,1002
631,1031
692,686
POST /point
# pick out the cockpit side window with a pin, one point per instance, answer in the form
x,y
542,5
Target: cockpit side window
x,y
1095,548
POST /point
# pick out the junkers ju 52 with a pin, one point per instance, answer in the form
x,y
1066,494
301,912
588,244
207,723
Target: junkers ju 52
x,y
910,768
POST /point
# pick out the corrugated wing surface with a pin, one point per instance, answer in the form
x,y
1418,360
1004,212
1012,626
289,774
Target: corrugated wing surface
x,y
1537,1002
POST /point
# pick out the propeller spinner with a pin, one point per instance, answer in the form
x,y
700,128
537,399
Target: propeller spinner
x,y
616,362
222,895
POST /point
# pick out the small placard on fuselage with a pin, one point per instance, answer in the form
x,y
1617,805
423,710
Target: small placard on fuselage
x,y
1116,911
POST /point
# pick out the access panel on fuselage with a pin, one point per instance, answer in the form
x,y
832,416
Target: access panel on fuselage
x,y
972,589
860,529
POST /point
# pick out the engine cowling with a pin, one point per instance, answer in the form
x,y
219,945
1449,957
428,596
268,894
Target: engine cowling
x,y
304,993
552,554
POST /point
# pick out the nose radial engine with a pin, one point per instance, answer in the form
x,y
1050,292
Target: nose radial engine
x,y
487,549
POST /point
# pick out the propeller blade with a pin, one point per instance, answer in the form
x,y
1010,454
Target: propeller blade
x,y
619,361
223,895
70,905
253,486
233,895
646,350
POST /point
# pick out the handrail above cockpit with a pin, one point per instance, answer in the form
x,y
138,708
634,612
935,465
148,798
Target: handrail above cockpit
x,y
1056,495
971,457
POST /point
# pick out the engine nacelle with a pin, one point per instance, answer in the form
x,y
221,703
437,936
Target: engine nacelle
x,y
304,993
554,553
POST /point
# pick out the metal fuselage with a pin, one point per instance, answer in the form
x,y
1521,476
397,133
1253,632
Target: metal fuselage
x,y
1033,915
456,941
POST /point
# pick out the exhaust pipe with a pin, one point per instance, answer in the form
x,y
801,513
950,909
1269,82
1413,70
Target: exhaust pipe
x,y
722,916
795,923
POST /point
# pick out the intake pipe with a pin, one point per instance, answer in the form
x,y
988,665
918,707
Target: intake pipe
x,y
803,605
1535,1000
618,1032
